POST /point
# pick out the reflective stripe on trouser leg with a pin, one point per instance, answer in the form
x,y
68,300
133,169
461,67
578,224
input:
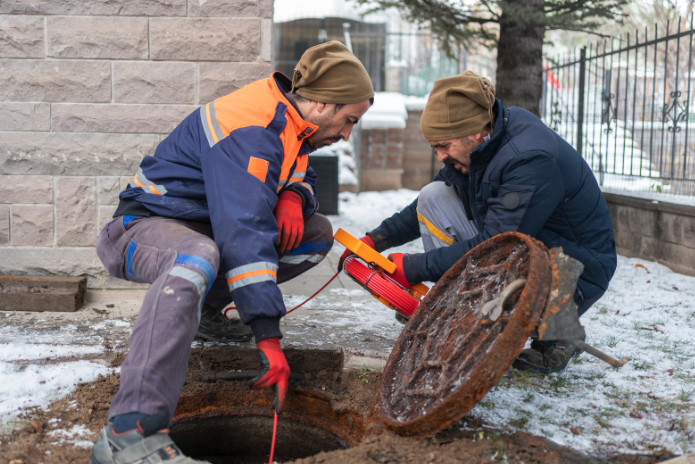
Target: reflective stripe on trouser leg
x,y
250,274
154,371
202,283
442,216
432,237
196,279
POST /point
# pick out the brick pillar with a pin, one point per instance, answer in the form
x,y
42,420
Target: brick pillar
x,y
381,159
88,89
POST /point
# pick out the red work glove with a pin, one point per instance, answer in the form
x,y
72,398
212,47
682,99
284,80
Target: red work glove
x,y
399,274
275,373
366,239
288,213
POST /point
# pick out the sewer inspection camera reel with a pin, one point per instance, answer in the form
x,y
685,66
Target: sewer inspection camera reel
x,y
369,269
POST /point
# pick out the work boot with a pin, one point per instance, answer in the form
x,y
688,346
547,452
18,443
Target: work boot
x,y
546,359
149,443
215,326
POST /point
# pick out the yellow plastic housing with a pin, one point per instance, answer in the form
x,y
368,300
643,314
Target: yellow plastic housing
x,y
364,251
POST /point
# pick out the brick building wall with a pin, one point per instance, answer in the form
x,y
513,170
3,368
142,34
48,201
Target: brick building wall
x,y
90,87
417,154
381,159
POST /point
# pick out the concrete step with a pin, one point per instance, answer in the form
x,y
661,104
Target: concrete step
x,y
42,293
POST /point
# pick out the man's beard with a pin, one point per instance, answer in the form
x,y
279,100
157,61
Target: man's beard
x,y
323,141
320,138
449,160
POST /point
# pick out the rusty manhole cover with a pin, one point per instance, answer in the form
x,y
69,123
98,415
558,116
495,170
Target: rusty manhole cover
x,y
455,348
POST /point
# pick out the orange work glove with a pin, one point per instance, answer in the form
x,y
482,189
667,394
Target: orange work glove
x,y
399,274
275,373
366,239
290,218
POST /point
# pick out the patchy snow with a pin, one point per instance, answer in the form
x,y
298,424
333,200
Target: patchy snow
x,y
78,435
388,112
36,366
346,163
37,385
647,314
688,200
30,351
362,212
416,103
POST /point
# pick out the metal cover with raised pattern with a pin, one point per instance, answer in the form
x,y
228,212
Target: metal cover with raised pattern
x,y
453,350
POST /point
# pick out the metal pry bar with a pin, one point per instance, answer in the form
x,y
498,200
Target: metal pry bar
x,y
560,320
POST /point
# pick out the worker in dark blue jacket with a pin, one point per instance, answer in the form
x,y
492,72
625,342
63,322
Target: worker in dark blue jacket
x,y
225,210
505,170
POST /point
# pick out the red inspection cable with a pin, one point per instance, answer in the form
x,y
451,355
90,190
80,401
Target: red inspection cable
x,y
272,443
381,285
300,304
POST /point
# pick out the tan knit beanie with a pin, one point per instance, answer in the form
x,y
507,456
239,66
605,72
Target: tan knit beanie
x,y
330,73
458,106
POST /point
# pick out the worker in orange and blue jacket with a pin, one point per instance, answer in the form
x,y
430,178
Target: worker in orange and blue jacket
x,y
224,210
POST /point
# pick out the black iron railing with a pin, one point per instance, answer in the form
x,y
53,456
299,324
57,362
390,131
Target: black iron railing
x,y
625,105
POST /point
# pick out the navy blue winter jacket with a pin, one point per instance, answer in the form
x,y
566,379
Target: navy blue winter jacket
x,y
560,203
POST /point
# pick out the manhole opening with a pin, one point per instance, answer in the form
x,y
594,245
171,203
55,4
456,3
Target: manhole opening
x,y
246,439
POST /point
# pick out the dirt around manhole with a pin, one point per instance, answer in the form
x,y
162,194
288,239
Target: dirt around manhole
x,y
64,432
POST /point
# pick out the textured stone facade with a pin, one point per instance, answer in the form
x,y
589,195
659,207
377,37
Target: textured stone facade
x,y
90,87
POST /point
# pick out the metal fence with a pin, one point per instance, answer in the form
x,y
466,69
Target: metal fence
x,y
407,61
625,105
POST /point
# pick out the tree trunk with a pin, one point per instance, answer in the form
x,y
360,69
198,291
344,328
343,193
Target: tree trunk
x,y
520,56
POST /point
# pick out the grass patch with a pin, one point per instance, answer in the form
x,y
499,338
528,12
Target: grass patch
x,y
520,422
365,373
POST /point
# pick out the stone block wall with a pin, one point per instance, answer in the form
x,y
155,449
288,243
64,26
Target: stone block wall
x,y
654,230
90,87
381,159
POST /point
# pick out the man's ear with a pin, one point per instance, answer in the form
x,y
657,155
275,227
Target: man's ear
x,y
320,107
479,137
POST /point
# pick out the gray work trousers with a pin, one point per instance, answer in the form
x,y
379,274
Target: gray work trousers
x,y
178,258
443,221
442,217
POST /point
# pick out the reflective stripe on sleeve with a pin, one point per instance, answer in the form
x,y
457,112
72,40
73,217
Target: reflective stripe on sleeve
x,y
206,126
298,259
307,186
215,125
144,183
251,274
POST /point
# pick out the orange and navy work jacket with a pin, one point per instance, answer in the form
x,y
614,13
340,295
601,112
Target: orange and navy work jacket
x,y
226,164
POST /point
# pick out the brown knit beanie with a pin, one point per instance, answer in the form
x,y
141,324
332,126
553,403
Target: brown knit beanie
x,y
458,106
330,73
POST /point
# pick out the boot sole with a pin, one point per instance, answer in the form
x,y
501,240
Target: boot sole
x,y
523,365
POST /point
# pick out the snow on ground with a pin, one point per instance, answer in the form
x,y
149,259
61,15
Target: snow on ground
x,y
27,385
35,374
362,212
647,314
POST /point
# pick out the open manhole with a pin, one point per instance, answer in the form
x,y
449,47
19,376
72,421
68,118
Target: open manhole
x,y
226,422
246,439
